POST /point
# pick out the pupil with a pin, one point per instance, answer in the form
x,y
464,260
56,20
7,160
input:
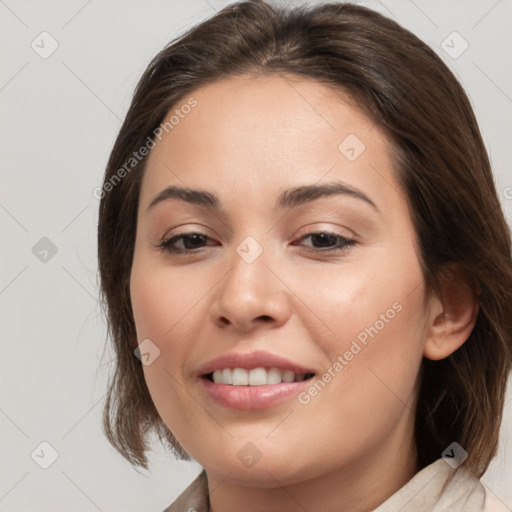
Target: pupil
x,y
323,237
195,240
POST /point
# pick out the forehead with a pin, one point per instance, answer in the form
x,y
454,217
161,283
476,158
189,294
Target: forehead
x,y
250,133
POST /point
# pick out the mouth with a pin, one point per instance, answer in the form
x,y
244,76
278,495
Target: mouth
x,y
255,377
253,380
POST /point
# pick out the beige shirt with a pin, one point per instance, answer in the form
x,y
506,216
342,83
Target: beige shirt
x,y
430,490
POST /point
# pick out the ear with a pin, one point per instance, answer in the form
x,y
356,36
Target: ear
x,y
452,314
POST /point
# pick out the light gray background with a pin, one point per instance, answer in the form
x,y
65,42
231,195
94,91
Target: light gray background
x,y
59,118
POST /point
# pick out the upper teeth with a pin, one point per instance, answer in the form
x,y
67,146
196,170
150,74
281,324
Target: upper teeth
x,y
255,377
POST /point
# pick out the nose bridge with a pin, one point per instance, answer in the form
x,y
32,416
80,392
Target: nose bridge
x,y
249,278
250,292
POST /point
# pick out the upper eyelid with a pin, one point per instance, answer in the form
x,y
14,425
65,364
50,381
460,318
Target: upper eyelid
x,y
335,231
308,233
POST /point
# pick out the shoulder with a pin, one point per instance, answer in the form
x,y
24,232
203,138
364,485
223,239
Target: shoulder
x,y
194,498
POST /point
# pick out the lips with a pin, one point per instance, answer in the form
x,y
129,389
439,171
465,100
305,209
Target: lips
x,y
253,380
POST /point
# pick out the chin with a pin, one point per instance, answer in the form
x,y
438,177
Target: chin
x,y
263,469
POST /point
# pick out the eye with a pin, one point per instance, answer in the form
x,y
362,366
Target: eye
x,y
326,241
184,243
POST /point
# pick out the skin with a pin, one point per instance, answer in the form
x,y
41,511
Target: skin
x,y
247,140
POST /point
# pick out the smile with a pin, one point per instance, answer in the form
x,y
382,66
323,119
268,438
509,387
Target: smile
x,y
256,376
252,380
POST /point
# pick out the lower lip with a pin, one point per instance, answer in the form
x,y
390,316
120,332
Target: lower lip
x,y
252,397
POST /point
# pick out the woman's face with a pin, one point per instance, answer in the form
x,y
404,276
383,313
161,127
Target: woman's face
x,y
328,282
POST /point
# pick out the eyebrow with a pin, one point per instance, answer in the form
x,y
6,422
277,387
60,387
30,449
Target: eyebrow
x,y
290,198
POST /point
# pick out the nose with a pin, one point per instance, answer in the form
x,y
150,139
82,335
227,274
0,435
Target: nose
x,y
251,295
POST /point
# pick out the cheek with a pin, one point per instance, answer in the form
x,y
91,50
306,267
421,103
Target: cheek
x,y
369,322
168,309
163,302
163,306
348,298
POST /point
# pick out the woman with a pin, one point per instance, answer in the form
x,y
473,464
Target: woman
x,y
301,241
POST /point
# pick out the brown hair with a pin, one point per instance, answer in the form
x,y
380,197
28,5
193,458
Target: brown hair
x,y
441,163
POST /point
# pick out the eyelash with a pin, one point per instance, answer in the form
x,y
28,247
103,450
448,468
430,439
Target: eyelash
x,y
166,244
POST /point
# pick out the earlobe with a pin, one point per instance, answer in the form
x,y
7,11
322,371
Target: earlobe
x,y
453,314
